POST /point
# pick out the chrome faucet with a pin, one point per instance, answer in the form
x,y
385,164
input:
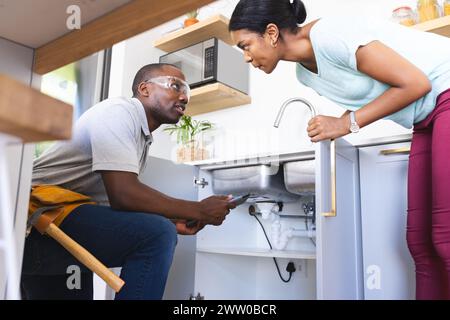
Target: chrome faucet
x,y
289,101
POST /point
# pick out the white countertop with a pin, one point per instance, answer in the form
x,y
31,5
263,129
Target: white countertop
x,y
384,140
307,153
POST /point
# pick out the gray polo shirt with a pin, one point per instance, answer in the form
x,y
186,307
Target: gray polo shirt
x,y
113,135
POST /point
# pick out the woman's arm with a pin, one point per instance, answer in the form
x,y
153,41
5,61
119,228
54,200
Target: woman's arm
x,y
407,84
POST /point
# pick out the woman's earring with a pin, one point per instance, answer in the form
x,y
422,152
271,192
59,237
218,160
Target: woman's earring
x,y
274,45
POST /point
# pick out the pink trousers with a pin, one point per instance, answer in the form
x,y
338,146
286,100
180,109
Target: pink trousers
x,y
428,226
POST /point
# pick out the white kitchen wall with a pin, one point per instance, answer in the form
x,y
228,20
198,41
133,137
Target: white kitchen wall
x,y
248,130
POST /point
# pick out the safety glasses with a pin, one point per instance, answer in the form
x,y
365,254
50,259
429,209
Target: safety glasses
x,y
172,83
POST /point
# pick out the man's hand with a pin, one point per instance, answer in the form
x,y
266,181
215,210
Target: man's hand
x,y
325,127
185,230
214,209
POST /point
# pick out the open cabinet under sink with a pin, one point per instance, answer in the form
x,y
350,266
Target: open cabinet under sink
x,y
234,260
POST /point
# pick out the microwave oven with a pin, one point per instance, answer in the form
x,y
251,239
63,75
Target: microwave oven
x,y
211,61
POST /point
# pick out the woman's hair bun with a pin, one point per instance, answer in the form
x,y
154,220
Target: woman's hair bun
x,y
299,11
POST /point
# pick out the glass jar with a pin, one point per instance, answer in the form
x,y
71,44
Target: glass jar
x,y
427,10
446,6
404,16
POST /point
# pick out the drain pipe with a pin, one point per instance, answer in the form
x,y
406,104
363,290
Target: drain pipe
x,y
281,239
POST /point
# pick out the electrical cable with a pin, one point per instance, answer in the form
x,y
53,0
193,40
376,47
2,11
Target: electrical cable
x,y
270,245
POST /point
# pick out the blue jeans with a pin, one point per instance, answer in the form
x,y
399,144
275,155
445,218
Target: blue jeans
x,y
141,243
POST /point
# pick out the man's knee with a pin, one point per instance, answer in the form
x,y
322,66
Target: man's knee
x,y
169,232
161,230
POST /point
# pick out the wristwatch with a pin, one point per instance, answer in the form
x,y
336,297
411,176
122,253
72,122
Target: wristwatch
x,y
354,128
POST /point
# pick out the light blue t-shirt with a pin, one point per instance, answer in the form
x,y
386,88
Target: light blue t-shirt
x,y
335,41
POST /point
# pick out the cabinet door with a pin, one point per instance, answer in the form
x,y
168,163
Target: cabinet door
x,y
176,180
339,256
388,266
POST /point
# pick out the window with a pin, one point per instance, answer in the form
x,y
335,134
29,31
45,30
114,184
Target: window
x,y
81,84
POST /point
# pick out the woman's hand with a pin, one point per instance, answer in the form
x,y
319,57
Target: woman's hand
x,y
325,127
185,230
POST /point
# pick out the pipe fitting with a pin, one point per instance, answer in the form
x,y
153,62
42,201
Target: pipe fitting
x,y
280,239
267,209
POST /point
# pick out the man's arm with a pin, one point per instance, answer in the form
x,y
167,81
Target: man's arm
x,y
127,193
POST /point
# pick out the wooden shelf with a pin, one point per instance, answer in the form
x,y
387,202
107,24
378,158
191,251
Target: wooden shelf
x,y
265,253
31,115
216,26
214,97
126,21
440,26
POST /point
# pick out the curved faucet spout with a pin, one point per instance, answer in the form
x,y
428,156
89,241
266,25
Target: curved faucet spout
x,y
288,102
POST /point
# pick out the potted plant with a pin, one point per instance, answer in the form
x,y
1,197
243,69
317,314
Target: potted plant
x,y
191,18
190,144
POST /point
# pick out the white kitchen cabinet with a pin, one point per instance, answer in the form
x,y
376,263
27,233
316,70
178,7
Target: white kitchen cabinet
x,y
388,266
233,261
176,181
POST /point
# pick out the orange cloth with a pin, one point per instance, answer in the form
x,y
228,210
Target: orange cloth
x,y
49,195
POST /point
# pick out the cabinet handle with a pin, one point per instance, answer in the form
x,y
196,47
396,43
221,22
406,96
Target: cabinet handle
x,y
387,152
333,211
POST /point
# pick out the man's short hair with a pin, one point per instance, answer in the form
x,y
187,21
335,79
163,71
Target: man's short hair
x,y
145,73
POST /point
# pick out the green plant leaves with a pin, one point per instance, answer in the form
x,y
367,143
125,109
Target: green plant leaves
x,y
187,129
192,14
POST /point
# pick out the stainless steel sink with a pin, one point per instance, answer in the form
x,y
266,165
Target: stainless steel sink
x,y
299,177
263,182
